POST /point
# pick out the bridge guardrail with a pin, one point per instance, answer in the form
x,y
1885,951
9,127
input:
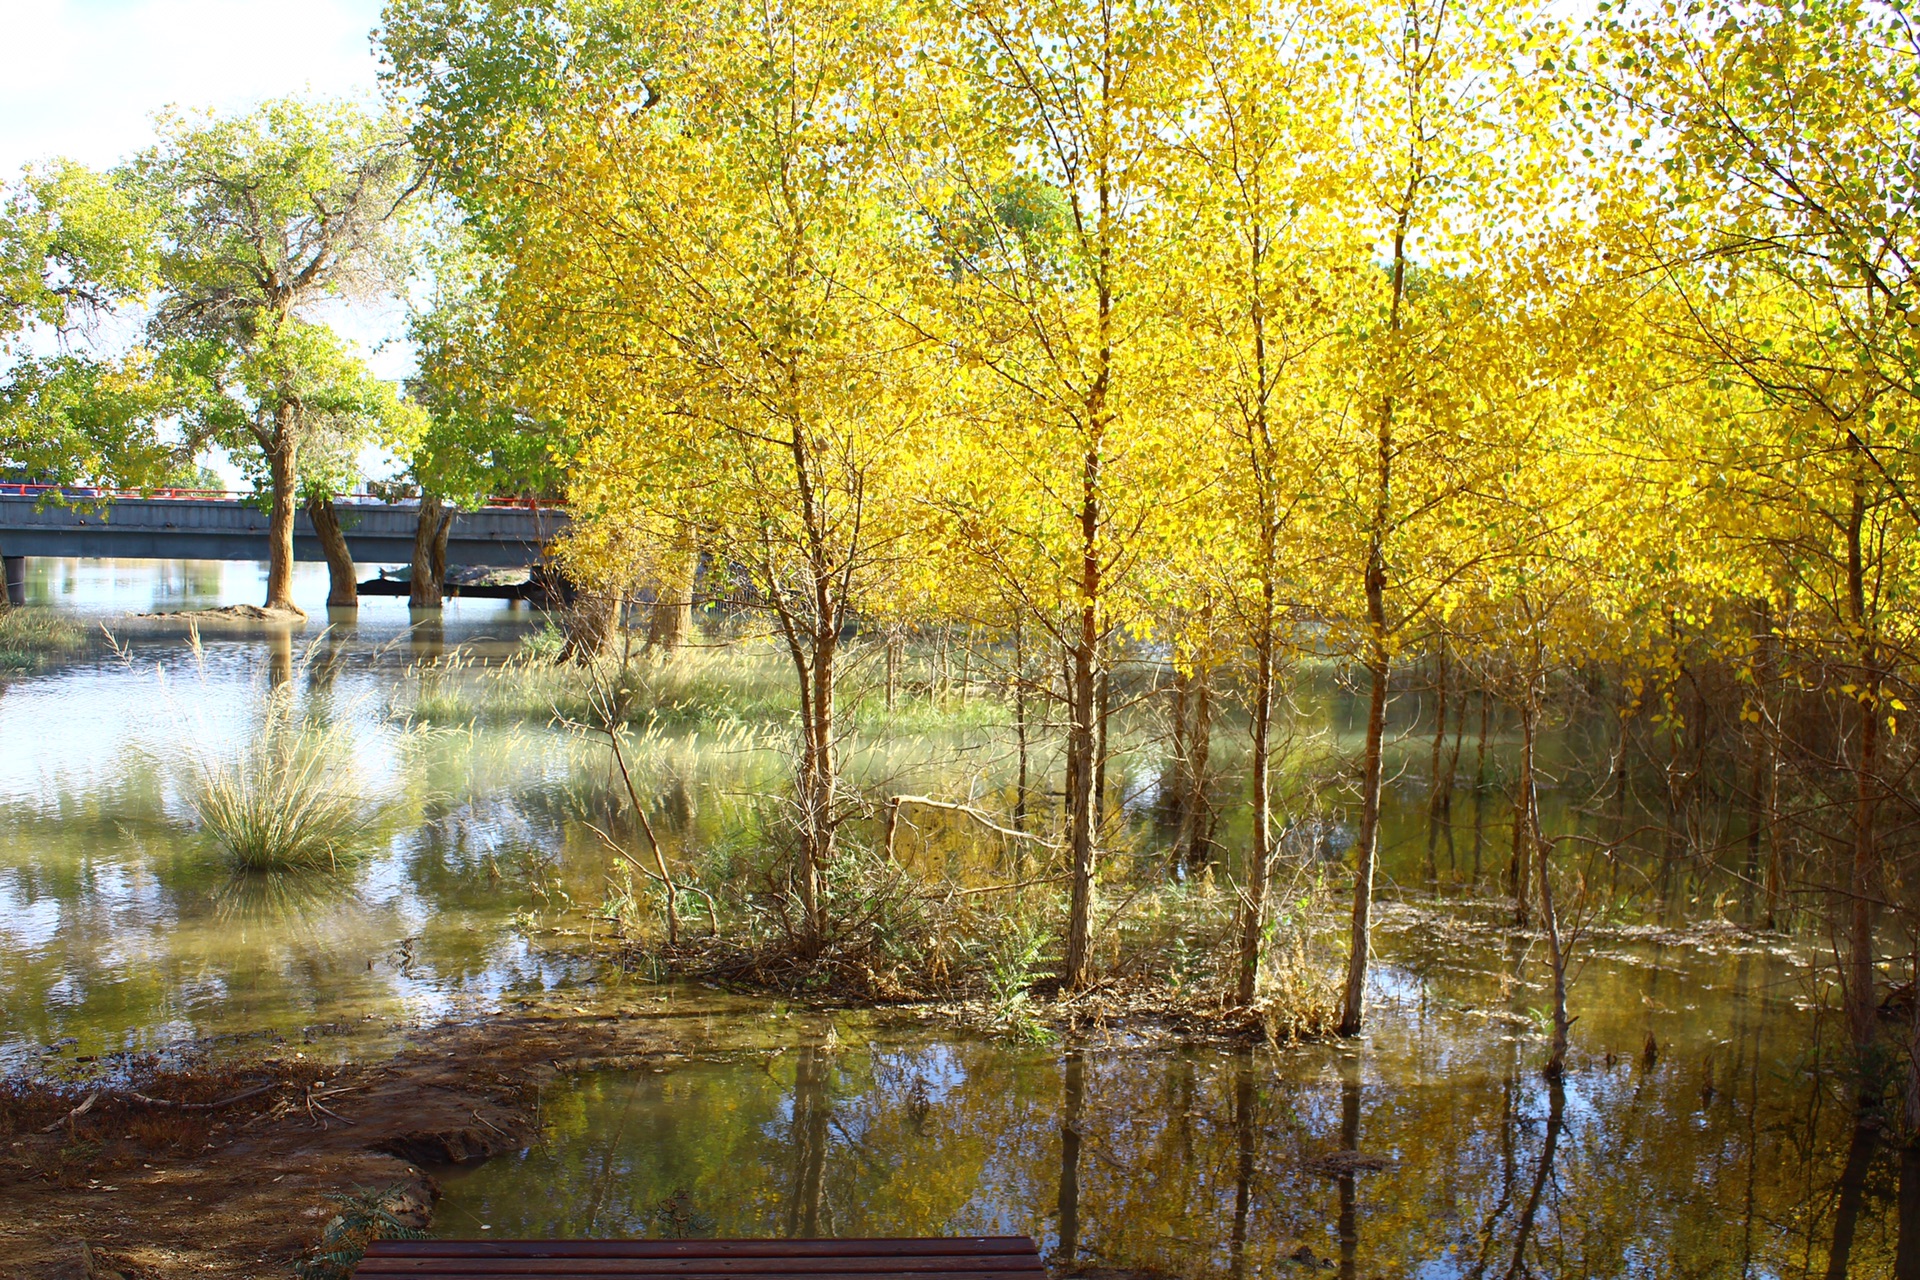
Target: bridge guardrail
x,y
11,489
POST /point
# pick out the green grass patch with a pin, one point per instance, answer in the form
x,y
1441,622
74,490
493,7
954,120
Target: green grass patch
x,y
32,637
744,683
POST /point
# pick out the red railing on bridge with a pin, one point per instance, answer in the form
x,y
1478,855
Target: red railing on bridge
x,y
12,490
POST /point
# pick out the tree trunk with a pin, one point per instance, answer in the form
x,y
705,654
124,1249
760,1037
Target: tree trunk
x,y
1527,815
343,590
439,553
283,471
1436,795
426,584
670,621
1021,782
1379,526
1177,786
1260,856
589,626
1200,751
1912,1108
1082,711
1480,786
1353,1005
1520,870
811,612
1192,748
1861,1004
895,643
1763,797
1906,1250
818,781
1103,708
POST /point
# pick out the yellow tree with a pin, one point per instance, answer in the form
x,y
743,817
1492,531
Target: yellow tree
x,y
702,277
1038,163
1453,92
1778,138
1560,584
1267,275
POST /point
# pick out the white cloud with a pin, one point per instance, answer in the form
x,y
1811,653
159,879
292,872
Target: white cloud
x,y
83,78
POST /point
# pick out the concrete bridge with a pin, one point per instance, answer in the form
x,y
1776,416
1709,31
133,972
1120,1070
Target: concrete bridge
x,y
190,525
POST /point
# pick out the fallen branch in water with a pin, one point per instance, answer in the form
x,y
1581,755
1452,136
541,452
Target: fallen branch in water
x,y
76,1113
927,802
1017,884
242,1096
713,912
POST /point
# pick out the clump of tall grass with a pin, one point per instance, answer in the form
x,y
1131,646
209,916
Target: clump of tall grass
x,y
29,637
290,799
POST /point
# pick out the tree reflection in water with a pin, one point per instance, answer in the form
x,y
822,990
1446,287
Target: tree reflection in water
x,y
811,1109
1074,1092
1435,1158
1349,1172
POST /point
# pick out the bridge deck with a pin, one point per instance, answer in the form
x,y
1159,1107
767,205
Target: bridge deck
x,y
205,528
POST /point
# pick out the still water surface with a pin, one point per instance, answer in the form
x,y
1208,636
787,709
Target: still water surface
x,y
1434,1149
1431,1148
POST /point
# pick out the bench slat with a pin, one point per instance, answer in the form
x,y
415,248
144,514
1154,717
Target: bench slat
x,y
824,1264
652,1267
954,1258
606,1268
871,1247
816,1264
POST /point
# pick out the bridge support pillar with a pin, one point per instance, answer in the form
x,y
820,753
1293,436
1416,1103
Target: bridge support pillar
x,y
16,575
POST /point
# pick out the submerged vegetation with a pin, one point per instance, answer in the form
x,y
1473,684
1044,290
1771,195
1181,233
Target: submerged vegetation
x,y
30,637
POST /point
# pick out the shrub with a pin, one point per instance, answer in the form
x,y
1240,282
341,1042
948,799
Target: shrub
x,y
289,800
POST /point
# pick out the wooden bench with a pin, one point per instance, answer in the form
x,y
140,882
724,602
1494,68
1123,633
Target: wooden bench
x,y
955,1258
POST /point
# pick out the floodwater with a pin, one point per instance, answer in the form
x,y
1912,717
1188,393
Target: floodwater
x,y
1432,1147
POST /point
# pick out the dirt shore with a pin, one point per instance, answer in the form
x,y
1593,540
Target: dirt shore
x,y
225,1170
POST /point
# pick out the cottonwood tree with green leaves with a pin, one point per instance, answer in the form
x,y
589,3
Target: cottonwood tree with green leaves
x,y
477,439
76,246
232,237
261,221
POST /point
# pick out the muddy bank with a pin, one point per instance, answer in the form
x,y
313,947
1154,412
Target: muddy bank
x,y
226,1170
